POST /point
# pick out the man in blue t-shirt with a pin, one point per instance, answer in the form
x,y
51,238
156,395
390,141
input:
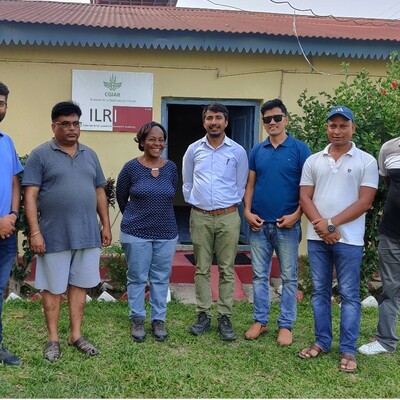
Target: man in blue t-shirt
x,y
271,207
10,194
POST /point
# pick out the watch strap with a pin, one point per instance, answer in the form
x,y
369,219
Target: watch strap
x,y
14,213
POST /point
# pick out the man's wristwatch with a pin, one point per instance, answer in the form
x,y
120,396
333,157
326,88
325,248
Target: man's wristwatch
x,y
331,227
14,213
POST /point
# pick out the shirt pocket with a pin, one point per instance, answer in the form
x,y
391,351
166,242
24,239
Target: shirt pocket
x,y
226,168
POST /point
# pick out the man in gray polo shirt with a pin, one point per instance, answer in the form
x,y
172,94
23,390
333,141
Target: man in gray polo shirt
x,y
63,180
389,254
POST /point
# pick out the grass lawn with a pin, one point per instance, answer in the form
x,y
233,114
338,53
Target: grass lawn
x,y
185,366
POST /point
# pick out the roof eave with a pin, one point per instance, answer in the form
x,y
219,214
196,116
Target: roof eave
x,y
62,35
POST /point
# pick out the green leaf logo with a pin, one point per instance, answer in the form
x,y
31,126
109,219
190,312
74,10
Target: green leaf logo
x,y
112,84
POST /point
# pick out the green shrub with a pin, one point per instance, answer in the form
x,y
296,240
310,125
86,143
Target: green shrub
x,y
304,275
113,259
376,107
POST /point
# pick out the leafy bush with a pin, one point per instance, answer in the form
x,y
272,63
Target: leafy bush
x,y
21,269
376,107
304,275
114,259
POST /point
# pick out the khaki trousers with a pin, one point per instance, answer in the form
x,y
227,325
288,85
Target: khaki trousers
x,y
218,233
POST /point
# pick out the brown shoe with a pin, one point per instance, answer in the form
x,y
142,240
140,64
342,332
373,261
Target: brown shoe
x,y
285,337
255,331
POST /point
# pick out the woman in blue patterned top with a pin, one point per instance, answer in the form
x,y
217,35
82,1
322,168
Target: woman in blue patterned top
x,y
145,190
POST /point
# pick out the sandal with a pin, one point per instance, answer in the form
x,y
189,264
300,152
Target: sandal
x,y
84,346
345,361
311,352
52,351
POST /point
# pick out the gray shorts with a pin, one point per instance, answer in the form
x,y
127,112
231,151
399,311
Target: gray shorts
x,y
55,271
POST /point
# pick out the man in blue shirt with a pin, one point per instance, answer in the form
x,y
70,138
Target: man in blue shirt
x,y
10,194
271,207
214,177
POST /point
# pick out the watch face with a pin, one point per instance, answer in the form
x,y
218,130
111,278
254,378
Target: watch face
x,y
331,228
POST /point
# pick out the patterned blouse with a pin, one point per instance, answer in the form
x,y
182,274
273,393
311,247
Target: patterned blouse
x,y
146,202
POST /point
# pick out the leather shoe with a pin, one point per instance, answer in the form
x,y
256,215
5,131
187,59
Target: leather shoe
x,y
255,331
285,337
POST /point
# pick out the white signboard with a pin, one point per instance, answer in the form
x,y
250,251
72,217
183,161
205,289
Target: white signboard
x,y
112,100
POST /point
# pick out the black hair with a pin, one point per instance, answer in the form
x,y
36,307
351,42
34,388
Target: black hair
x,y
215,107
65,108
144,131
4,90
270,104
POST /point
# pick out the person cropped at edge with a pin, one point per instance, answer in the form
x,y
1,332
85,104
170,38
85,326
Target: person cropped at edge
x,y
271,207
338,186
63,180
389,254
10,195
146,187
214,177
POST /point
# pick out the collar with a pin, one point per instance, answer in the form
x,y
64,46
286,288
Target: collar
x,y
286,143
55,146
350,152
226,141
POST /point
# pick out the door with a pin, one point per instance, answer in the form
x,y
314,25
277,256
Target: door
x,y
183,120
241,120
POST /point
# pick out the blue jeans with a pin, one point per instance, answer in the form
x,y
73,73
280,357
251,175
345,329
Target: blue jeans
x,y
347,261
8,251
151,260
285,242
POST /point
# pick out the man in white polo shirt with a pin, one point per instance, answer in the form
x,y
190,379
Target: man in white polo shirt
x,y
338,186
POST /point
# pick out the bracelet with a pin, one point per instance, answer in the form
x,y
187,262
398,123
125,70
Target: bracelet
x,y
34,233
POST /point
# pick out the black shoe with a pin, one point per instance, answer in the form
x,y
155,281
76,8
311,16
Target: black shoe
x,y
225,328
137,330
158,330
8,358
202,325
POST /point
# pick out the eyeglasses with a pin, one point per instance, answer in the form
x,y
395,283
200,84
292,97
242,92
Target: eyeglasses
x,y
67,124
277,118
3,104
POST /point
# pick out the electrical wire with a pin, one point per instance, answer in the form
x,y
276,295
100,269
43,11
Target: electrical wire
x,y
301,48
343,19
390,8
357,21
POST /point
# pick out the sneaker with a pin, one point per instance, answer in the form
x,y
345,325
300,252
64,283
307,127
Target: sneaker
x,y
137,330
202,325
225,328
8,358
372,349
158,330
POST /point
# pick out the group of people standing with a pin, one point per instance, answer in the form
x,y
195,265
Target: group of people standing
x,y
279,182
